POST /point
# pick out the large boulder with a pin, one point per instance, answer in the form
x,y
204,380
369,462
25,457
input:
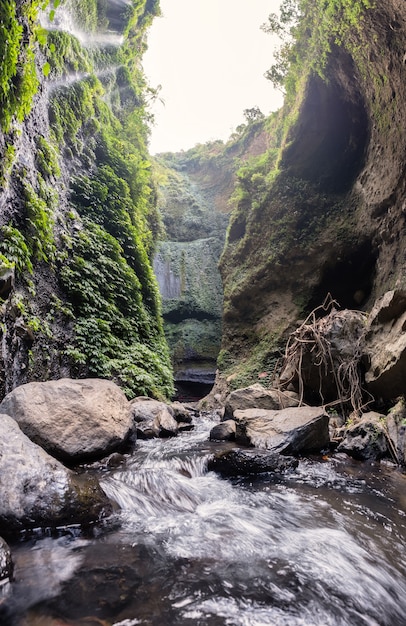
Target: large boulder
x,y
74,420
153,418
323,358
181,413
37,490
256,396
240,462
386,346
287,431
367,438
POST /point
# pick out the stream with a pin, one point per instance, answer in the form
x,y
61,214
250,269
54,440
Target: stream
x,y
324,545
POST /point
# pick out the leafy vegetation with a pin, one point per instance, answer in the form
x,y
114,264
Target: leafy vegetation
x,y
47,159
105,199
309,30
88,14
39,209
115,335
13,246
65,54
94,240
19,32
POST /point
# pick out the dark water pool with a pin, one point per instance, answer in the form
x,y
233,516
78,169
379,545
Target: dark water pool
x,y
323,545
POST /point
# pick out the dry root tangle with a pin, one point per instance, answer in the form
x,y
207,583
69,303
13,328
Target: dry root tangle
x,y
310,342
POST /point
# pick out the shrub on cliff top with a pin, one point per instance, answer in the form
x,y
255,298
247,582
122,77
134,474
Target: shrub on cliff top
x,y
309,29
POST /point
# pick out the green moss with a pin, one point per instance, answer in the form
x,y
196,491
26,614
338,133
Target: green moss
x,y
73,107
257,364
192,337
115,334
40,221
7,163
194,264
86,14
106,200
47,159
106,237
14,247
18,76
65,54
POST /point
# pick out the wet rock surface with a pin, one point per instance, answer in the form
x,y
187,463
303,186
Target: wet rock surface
x,y
367,439
6,564
71,419
225,431
157,419
386,346
288,431
37,490
396,429
242,462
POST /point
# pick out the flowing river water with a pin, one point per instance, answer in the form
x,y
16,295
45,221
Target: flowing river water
x,y
324,544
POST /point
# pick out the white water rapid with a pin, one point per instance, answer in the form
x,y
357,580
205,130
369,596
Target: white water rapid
x,y
324,545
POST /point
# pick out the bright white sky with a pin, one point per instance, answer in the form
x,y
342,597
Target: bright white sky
x,y
210,57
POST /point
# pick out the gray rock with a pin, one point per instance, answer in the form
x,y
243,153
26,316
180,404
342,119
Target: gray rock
x,y
185,427
165,424
153,418
181,413
37,490
396,429
225,431
386,346
71,419
366,439
287,431
6,563
323,353
7,276
239,462
256,396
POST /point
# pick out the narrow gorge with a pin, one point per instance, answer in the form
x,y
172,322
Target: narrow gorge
x,y
203,353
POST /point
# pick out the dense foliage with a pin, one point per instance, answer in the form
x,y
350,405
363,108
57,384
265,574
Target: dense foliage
x,y
88,219
18,78
309,30
116,336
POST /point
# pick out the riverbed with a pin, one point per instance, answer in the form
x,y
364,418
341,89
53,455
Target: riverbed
x,y
321,545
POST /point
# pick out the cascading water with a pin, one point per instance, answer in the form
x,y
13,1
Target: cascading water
x,y
64,21
323,545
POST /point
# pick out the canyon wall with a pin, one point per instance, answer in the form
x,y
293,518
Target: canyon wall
x,y
323,211
194,201
78,216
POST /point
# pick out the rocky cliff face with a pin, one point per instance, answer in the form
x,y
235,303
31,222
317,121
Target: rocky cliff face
x,y
194,202
78,216
328,215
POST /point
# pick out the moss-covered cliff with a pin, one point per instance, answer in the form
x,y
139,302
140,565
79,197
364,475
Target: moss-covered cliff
x,y
78,216
194,199
323,209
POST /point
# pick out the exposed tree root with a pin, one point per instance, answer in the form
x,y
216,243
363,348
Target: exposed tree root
x,y
328,350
